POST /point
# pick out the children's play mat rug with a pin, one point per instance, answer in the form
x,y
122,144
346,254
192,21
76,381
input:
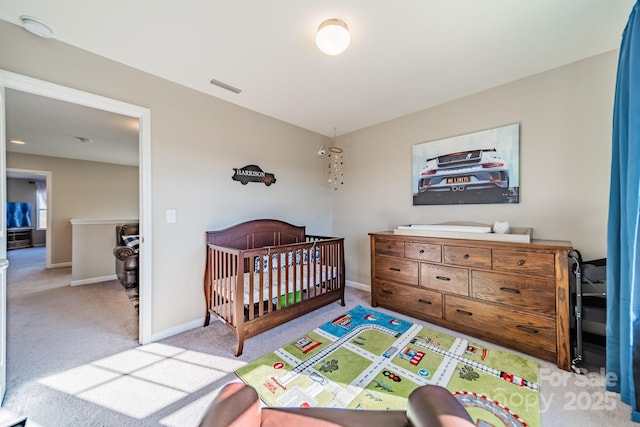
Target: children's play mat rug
x,y
369,360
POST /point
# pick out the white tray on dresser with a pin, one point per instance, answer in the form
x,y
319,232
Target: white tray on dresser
x,y
465,230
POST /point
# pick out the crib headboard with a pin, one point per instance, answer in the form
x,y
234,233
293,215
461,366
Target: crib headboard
x,y
256,234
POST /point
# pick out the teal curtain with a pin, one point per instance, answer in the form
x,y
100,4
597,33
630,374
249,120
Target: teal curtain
x,y
623,271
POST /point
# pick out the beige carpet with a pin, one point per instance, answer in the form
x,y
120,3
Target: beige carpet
x,y
73,359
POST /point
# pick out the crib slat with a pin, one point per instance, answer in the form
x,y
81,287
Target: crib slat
x,y
251,288
260,284
311,260
270,282
294,271
232,304
316,255
334,263
218,280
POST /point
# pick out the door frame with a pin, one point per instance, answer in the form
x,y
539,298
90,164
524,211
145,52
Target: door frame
x,y
4,263
34,86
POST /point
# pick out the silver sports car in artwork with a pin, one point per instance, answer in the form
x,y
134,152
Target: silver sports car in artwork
x,y
465,171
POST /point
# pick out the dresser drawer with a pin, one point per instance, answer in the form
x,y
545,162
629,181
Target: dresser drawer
x,y
530,263
521,292
513,326
448,279
410,300
390,247
423,251
397,269
468,257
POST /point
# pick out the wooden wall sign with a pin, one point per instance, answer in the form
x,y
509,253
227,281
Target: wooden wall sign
x,y
253,173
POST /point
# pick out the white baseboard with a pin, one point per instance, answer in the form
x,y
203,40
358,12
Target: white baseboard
x,y
199,322
93,280
180,329
59,265
358,285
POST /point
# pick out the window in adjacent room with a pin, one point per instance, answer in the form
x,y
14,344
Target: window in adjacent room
x,y
41,205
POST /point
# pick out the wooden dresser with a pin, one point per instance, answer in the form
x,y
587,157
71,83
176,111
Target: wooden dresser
x,y
512,294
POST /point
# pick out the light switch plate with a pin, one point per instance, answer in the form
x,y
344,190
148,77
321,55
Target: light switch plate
x,y
171,215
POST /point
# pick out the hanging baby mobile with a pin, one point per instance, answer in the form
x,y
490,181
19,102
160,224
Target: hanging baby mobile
x,y
335,164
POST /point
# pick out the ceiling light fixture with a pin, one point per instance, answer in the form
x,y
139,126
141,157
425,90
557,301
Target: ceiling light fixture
x,y
36,26
17,142
333,36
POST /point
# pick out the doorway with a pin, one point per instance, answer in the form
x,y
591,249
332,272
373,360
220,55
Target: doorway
x,y
31,177
9,80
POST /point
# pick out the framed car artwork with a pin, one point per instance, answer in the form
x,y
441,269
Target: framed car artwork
x,y
480,167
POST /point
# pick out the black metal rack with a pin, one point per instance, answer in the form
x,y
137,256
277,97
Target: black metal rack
x,y
589,300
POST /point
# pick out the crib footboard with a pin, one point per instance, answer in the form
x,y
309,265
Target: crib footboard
x,y
220,287
255,290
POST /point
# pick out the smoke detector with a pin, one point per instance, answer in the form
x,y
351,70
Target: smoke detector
x,y
36,26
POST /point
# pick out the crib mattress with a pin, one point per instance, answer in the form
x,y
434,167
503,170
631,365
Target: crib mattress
x,y
287,285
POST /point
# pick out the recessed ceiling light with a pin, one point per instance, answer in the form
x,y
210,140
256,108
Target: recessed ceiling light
x,y
17,142
36,26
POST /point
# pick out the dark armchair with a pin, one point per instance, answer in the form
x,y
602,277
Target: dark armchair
x,y
126,253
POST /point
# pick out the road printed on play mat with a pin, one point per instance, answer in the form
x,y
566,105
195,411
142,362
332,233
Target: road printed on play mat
x,y
370,360
380,362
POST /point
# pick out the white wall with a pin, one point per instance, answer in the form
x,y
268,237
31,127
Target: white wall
x,y
92,250
565,142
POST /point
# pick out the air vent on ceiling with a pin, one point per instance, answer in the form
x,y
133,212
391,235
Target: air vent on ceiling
x,y
226,86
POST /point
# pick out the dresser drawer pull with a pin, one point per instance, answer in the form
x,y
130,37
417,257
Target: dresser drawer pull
x,y
394,269
445,278
467,313
388,248
527,329
521,262
421,251
386,292
466,256
510,290
424,301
